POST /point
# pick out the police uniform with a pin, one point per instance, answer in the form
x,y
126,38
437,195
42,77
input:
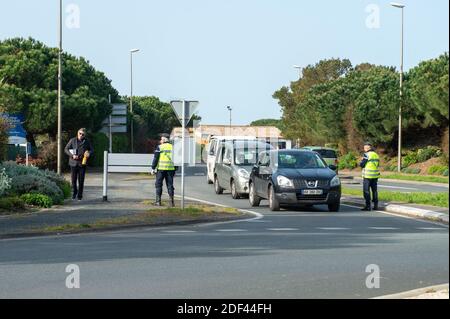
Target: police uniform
x,y
163,162
370,174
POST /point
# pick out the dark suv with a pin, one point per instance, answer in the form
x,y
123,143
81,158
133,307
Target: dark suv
x,y
294,178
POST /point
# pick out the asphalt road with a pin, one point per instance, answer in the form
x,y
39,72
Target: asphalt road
x,y
288,254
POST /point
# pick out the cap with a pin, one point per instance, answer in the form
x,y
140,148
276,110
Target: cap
x,y
165,135
368,144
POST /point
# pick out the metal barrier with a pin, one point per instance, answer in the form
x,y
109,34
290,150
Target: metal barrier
x,y
124,163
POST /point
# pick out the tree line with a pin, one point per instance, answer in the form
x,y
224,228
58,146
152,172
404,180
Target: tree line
x,y
334,102
28,85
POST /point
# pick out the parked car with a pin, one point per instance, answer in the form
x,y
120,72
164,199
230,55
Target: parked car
x,y
212,149
234,163
294,178
328,154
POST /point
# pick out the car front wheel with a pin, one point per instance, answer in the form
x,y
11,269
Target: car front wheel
x,y
274,204
254,199
217,188
334,207
234,192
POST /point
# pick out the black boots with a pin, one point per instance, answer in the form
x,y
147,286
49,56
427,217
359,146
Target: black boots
x,y
158,201
172,202
366,209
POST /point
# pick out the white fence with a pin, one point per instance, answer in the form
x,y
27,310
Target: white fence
x,y
124,163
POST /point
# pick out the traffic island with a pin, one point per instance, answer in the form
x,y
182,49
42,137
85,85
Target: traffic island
x,y
154,216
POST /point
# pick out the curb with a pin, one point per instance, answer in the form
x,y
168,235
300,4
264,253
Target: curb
x,y
415,293
400,181
243,216
405,210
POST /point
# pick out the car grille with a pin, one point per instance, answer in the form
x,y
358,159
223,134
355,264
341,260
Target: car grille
x,y
302,183
312,197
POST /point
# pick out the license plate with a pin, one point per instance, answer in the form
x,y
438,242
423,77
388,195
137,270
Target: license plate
x,y
312,192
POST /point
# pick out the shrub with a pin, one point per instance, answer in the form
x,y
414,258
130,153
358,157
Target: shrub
x,y
35,199
5,182
425,154
48,154
445,173
100,143
437,169
348,161
24,184
120,143
390,168
410,159
11,203
411,170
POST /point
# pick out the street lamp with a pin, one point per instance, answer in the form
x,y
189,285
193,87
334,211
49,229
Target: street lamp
x,y
131,98
59,133
229,108
399,164
299,70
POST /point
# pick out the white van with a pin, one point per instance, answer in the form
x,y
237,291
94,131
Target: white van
x,y
212,149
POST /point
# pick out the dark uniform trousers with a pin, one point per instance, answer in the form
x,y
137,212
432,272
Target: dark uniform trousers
x,y
78,173
160,177
368,185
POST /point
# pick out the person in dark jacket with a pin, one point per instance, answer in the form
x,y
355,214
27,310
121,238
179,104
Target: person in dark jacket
x,y
79,149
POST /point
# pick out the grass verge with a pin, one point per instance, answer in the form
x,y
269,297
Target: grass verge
x,y
152,216
432,199
417,178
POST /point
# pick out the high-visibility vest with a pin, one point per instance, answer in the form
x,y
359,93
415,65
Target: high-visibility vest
x,y
165,162
372,169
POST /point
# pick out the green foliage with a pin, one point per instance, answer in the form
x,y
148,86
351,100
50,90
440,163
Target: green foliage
x,y
445,173
425,154
333,102
3,135
5,182
410,159
33,180
411,170
267,122
100,143
29,72
35,199
120,143
11,203
437,170
348,161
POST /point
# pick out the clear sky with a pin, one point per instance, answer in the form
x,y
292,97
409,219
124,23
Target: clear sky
x,y
229,52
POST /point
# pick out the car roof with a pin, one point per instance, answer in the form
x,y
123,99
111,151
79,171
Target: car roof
x,y
319,148
294,151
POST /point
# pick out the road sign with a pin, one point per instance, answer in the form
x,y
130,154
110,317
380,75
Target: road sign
x,y
190,107
184,111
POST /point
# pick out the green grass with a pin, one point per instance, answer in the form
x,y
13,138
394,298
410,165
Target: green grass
x,y
432,199
417,178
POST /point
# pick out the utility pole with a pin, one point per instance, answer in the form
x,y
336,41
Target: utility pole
x,y
59,137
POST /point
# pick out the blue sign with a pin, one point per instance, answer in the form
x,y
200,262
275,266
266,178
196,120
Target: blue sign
x,y
16,132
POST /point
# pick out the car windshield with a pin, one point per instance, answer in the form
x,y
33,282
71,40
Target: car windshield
x,y
245,155
301,160
326,153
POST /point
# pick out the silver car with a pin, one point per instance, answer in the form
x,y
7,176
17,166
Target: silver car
x,y
234,163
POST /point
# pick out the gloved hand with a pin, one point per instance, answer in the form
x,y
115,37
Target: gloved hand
x,y
152,171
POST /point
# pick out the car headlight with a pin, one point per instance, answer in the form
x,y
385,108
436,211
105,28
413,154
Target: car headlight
x,y
284,182
335,181
243,173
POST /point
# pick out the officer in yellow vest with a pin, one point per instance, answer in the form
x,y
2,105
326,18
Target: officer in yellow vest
x,y
163,163
370,164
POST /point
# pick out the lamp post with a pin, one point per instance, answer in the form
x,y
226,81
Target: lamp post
x,y
59,133
399,164
131,98
229,108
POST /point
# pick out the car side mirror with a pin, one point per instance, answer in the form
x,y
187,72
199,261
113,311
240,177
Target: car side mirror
x,y
333,167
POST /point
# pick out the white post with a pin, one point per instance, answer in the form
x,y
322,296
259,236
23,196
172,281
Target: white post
x,y
183,125
105,176
110,129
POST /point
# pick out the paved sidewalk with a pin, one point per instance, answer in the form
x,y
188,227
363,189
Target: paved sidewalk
x,y
126,193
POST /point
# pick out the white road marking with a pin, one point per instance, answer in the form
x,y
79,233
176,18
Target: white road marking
x,y
401,216
399,187
282,229
431,228
383,228
332,228
231,230
199,174
179,231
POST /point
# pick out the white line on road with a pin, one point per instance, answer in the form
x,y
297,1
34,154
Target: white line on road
x,y
231,230
383,228
399,187
431,228
282,229
332,228
179,231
